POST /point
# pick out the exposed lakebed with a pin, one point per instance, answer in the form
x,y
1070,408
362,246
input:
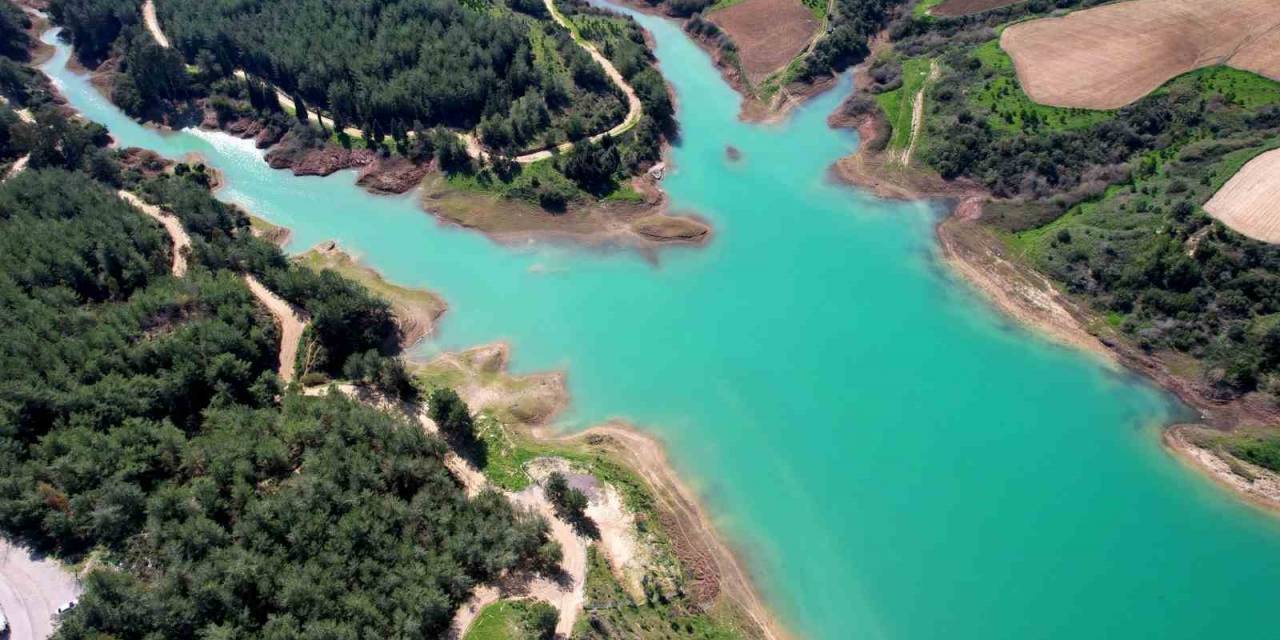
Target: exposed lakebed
x,y
894,459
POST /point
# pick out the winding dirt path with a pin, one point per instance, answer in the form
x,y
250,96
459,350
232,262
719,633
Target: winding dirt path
x,y
292,323
566,592
20,164
474,149
153,23
181,241
917,114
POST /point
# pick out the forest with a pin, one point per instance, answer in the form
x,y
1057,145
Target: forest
x,y
409,64
142,424
409,73
386,68
852,24
141,421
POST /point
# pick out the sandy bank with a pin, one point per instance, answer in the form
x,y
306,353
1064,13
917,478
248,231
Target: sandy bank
x,y
1193,445
645,225
974,252
528,404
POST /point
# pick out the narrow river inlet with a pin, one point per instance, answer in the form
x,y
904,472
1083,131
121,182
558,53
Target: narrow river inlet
x,y
892,458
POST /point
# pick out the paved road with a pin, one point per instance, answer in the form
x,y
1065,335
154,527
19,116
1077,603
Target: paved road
x,y
31,590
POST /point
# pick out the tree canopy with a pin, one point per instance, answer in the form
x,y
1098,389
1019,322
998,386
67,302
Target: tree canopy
x,y
139,416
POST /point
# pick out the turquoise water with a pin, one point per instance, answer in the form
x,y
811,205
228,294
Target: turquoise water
x,y
893,458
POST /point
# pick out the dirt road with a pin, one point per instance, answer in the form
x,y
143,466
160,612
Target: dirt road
x,y
153,23
292,323
474,149
171,224
31,590
917,114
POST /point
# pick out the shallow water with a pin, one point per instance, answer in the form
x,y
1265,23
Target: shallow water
x,y
894,459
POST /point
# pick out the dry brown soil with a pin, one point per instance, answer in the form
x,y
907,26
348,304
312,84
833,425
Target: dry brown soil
x,y
769,33
1110,56
1250,201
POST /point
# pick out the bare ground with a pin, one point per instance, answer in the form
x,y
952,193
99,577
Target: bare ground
x,y
1109,56
642,225
769,33
31,590
292,323
1250,201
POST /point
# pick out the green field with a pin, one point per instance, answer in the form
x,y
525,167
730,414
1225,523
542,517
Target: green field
x,y
611,613
504,620
898,104
1247,89
1009,108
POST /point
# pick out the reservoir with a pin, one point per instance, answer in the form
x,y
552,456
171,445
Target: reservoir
x,y
892,458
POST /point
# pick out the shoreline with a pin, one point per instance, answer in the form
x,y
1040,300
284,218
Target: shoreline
x,y
1262,491
646,454
541,397
646,226
716,569
1028,298
751,109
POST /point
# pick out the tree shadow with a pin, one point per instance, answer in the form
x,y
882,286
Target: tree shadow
x,y
470,448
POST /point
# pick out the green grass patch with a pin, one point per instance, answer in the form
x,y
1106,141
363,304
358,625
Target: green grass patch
x,y
721,4
505,620
1244,88
1260,446
776,81
624,193
1009,108
898,104
611,613
922,8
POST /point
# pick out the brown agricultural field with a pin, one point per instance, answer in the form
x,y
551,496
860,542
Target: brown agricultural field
x,y
955,8
1250,201
1110,56
769,33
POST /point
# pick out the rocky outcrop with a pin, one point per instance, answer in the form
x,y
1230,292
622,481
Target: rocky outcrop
x,y
315,161
392,175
